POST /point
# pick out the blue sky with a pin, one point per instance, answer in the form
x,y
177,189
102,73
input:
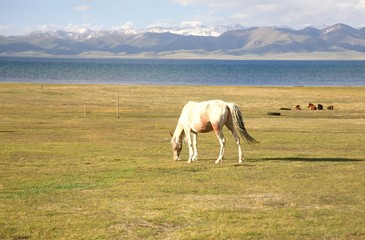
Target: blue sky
x,y
23,16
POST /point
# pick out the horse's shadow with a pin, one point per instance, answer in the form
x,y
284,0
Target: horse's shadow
x,y
249,162
312,159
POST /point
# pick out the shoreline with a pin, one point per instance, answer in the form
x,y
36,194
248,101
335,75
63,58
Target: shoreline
x,y
177,85
187,55
168,86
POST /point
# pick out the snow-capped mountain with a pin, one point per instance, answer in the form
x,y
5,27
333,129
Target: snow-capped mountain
x,y
197,30
227,40
84,33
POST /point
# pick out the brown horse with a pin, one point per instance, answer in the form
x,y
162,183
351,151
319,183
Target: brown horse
x,y
311,106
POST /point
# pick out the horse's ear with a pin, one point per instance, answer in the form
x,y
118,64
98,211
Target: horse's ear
x,y
171,134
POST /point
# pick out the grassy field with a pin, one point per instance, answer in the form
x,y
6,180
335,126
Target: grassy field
x,y
67,176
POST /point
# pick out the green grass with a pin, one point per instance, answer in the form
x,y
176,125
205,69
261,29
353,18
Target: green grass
x,y
64,176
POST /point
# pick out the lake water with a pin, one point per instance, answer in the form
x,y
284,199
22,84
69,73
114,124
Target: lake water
x,y
182,72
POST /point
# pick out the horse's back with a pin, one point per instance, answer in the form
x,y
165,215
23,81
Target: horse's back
x,y
213,111
207,107
216,107
207,104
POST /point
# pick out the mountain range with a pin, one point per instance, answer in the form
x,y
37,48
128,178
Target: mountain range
x,y
230,41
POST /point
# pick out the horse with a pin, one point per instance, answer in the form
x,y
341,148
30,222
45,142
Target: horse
x,y
203,117
311,106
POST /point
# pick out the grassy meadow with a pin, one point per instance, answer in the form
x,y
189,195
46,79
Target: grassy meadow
x,y
70,174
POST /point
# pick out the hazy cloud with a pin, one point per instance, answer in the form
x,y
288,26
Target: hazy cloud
x,y
4,27
360,5
17,17
297,13
191,23
5,30
83,8
69,27
128,25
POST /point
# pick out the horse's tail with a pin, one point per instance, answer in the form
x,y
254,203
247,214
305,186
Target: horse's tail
x,y
237,116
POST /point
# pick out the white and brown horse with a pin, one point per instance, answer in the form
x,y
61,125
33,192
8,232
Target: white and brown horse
x,y
202,117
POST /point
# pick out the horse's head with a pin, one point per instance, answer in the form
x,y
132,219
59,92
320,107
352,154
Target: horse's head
x,y
176,148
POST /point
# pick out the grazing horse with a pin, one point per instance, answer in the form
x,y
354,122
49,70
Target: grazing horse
x,y
202,117
311,106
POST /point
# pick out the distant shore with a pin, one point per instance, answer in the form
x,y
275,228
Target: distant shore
x,y
327,56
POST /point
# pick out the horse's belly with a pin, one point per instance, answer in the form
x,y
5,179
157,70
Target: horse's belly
x,y
203,127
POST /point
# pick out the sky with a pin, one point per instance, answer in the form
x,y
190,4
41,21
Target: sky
x,y
18,17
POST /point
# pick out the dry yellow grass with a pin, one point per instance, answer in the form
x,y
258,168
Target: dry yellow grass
x,y
64,176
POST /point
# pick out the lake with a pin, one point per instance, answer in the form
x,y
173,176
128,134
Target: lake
x,y
182,72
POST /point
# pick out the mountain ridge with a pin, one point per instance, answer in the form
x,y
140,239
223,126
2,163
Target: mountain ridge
x,y
232,41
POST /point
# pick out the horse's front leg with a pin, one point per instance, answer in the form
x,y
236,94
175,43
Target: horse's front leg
x,y
195,149
190,145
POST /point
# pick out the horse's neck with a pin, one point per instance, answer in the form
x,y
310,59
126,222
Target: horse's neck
x,y
179,131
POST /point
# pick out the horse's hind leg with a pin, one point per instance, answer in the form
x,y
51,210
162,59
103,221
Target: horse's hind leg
x,y
237,140
222,142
